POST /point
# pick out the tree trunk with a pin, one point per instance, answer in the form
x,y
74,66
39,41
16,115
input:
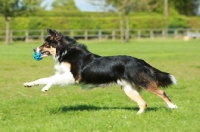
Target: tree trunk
x,y
7,30
121,28
166,18
127,28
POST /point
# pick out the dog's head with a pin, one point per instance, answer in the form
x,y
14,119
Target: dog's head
x,y
53,44
50,44
56,45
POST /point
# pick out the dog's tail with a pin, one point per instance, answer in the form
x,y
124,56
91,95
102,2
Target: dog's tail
x,y
164,79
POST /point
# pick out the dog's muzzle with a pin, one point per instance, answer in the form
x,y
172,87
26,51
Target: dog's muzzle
x,y
42,53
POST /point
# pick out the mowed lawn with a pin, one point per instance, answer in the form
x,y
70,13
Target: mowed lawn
x,y
71,109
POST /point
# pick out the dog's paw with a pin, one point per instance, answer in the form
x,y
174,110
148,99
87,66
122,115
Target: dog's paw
x,y
172,106
28,84
140,112
44,90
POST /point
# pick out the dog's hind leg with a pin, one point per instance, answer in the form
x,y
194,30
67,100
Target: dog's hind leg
x,y
153,88
133,93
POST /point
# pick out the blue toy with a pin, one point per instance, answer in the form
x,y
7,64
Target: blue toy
x,y
37,56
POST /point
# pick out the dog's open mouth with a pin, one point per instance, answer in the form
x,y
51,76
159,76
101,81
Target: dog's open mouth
x,y
45,53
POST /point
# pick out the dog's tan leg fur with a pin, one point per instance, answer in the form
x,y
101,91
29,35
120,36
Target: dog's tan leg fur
x,y
153,88
133,93
135,96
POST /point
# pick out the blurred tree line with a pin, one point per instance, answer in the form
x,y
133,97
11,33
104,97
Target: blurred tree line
x,y
125,14
125,7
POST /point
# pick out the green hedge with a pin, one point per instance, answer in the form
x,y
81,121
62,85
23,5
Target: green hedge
x,y
93,22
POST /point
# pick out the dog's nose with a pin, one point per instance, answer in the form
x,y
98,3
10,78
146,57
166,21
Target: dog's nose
x,y
34,50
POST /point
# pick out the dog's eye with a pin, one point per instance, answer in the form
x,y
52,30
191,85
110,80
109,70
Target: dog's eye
x,y
46,45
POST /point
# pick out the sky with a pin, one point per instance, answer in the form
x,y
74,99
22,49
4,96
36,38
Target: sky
x,y
83,5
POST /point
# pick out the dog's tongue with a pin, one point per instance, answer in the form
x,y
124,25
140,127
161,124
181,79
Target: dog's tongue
x,y
37,56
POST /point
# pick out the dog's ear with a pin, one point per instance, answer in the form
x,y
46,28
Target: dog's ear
x,y
54,34
51,32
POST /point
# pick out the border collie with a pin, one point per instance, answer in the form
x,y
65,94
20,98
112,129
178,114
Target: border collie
x,y
75,64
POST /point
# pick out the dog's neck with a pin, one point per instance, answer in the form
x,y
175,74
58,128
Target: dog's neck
x,y
58,55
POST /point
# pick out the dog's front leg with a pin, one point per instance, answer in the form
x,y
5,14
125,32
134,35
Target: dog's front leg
x,y
59,79
47,87
41,81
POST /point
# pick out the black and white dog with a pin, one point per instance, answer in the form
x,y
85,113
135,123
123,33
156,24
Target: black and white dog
x,y
75,64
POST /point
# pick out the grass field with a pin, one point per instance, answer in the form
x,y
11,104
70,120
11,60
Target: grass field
x,y
71,109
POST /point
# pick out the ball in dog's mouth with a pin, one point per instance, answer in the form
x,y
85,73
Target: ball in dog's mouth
x,y
37,56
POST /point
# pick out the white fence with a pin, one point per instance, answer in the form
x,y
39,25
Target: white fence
x,y
100,34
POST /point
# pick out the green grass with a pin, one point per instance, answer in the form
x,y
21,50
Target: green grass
x,y
69,109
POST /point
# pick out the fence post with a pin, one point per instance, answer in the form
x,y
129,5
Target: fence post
x,y
175,33
163,33
113,35
71,33
86,35
99,35
139,34
26,36
151,34
11,36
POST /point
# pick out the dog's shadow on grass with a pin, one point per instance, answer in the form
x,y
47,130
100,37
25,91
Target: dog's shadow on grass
x,y
64,109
